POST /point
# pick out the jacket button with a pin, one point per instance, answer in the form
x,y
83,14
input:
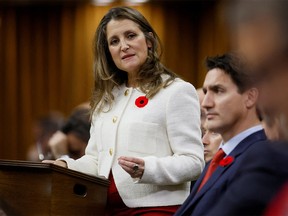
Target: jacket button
x,y
111,151
126,92
114,119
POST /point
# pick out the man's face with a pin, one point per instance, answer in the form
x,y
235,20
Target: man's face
x,y
223,104
261,42
211,142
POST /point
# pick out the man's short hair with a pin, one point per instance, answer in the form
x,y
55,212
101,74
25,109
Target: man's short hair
x,y
234,65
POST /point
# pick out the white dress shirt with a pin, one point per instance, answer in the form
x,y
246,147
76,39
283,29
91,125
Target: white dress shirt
x,y
231,144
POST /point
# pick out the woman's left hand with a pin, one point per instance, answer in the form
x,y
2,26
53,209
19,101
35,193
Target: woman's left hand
x,y
133,166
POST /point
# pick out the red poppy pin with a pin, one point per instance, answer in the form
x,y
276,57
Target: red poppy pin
x,y
226,161
141,101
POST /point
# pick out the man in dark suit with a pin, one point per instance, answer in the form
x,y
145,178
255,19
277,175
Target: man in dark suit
x,y
230,106
261,31
261,175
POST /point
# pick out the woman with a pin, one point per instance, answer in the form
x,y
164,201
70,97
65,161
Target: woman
x,y
145,134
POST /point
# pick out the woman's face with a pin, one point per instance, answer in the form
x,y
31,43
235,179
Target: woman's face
x,y
127,45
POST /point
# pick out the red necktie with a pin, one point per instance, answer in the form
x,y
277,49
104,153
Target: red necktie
x,y
212,167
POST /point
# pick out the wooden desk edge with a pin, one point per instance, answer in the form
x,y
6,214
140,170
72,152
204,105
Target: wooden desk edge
x,y
31,164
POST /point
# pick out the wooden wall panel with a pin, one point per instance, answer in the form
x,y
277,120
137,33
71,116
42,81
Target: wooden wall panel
x,y
10,84
213,36
28,60
180,40
66,54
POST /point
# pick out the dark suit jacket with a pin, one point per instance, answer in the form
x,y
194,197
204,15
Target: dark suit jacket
x,y
200,203
262,174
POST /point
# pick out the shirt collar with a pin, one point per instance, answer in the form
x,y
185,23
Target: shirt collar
x,y
231,144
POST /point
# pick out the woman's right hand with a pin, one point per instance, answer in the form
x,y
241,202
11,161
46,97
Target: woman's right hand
x,y
56,162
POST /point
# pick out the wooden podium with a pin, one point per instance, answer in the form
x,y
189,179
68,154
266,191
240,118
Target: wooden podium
x,y
35,188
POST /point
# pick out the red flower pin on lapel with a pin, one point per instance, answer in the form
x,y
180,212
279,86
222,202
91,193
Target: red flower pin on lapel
x,y
141,101
226,161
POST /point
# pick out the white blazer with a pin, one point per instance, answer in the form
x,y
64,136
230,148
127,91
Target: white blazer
x,y
165,133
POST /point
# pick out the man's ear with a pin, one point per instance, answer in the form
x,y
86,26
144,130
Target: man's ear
x,y
252,97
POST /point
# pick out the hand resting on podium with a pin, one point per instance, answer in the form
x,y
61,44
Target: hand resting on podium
x,y
56,162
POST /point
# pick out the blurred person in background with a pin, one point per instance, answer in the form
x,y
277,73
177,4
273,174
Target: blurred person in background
x,y
272,128
71,140
260,32
211,142
43,128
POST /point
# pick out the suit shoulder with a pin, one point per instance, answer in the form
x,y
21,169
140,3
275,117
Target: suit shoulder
x,y
268,153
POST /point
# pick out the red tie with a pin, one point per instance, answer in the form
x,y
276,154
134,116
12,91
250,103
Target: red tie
x,y
212,167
